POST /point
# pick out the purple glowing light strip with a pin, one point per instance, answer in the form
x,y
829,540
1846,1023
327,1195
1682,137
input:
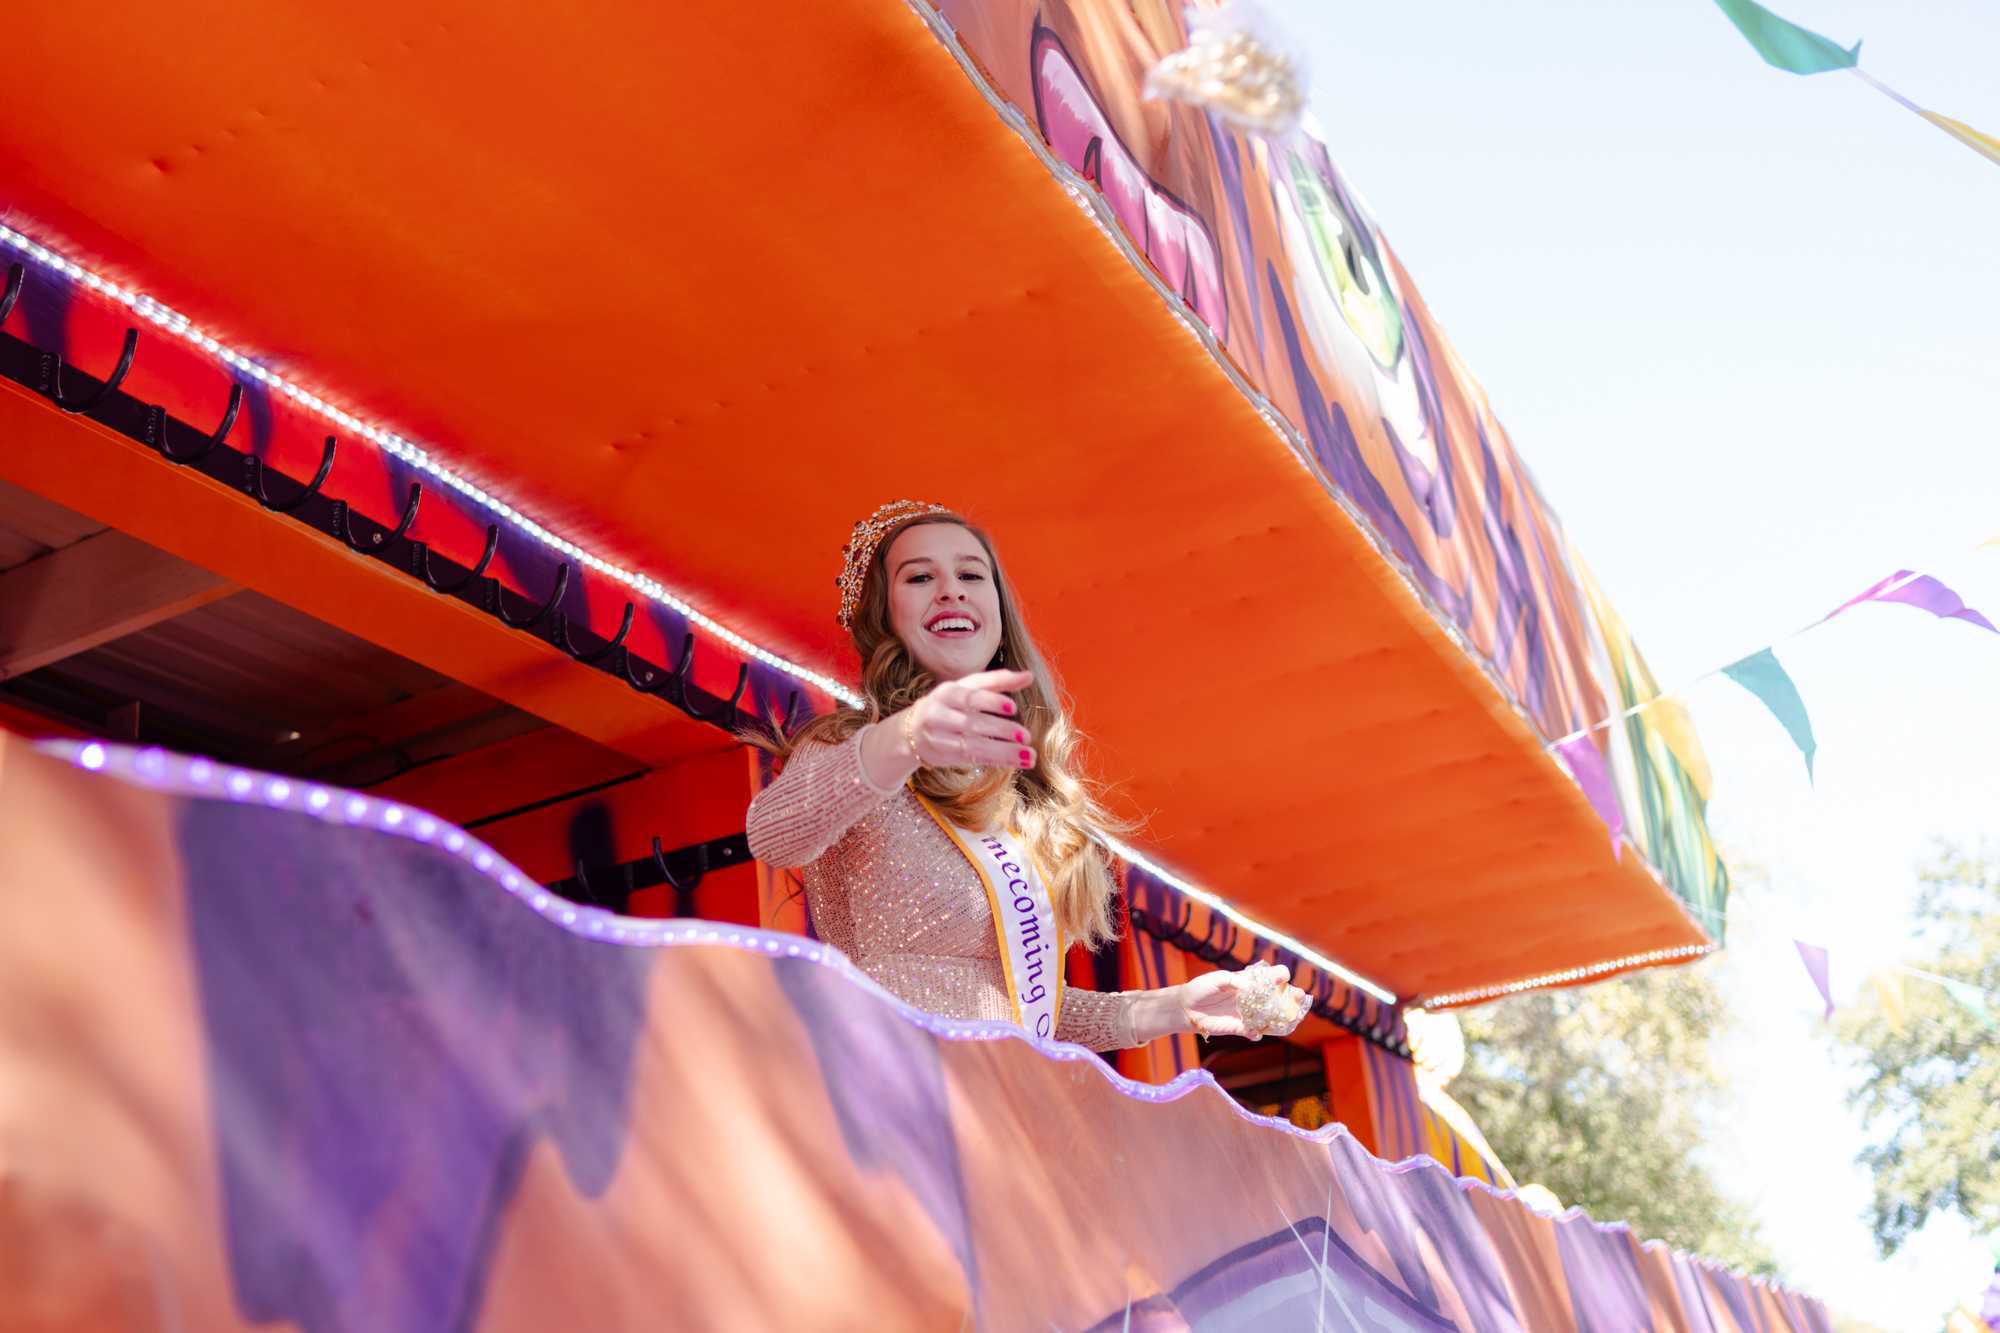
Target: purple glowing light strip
x,y
204,779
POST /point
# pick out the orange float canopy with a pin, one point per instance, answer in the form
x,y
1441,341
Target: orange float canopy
x,y
698,294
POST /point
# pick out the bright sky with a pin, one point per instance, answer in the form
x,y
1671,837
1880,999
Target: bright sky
x,y
1742,326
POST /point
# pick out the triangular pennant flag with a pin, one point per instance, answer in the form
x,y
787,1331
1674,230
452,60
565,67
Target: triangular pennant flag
x,y
1888,988
1586,765
1760,674
1971,999
1985,145
1921,591
1814,957
1785,44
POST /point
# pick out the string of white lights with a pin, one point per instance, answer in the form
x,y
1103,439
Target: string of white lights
x,y
1090,200
401,447
1568,975
1277,937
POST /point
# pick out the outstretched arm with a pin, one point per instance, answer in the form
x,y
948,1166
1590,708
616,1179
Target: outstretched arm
x,y
1210,1005
823,791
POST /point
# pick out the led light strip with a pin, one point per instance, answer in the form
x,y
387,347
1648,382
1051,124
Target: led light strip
x,y
398,446
206,780
1088,198
1277,937
1572,974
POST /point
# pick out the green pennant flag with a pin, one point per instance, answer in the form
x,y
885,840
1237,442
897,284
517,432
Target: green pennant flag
x,y
1971,999
1784,44
1760,674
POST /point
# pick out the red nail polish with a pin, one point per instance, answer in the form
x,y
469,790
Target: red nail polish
x,y
1020,736
1010,708
1027,758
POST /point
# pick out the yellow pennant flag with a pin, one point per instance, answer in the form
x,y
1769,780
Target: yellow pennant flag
x,y
1888,988
1985,145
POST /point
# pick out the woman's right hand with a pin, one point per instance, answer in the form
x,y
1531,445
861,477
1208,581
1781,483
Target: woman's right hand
x,y
969,722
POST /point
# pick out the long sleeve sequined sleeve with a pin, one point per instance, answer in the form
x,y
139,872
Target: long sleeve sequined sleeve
x,y
1100,1020
821,793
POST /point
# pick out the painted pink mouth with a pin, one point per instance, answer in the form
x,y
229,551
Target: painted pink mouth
x,y
1172,236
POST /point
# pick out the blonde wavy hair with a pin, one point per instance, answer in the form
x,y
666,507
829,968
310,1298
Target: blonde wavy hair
x,y
1051,807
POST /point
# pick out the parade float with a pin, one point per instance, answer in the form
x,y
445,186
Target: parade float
x,y
427,441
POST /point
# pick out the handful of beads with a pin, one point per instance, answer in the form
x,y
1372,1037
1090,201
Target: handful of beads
x,y
1268,1006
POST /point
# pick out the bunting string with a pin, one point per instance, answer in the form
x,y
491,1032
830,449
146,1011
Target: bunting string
x,y
1787,46
1886,985
1761,673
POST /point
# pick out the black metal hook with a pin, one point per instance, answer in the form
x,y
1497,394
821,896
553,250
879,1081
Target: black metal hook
x,y
595,655
684,668
420,563
1207,950
16,275
52,368
343,530
253,480
674,882
506,617
588,893
156,430
644,682
728,710
682,672
684,900
678,676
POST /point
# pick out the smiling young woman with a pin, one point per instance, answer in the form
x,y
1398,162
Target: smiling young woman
x,y
946,841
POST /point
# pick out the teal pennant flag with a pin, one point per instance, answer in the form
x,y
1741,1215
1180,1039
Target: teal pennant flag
x,y
1760,674
1785,44
1972,1000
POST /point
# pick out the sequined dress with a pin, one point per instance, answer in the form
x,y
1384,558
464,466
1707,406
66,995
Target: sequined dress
x,y
888,889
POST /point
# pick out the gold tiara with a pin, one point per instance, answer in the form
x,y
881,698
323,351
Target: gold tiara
x,y
868,534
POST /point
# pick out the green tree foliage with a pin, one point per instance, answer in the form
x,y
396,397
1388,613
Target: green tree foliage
x,y
1599,1094
1930,1064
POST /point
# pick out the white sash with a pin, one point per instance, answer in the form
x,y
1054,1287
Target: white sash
x,y
1031,947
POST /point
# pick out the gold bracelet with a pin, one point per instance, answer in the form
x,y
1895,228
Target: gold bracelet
x,y
910,733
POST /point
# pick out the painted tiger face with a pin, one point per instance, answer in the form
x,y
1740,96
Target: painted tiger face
x,y
1354,314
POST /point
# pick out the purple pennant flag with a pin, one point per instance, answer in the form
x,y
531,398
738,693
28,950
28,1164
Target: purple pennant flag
x,y
1923,592
1586,765
1814,958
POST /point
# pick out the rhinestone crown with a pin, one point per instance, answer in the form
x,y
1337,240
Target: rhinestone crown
x,y
868,534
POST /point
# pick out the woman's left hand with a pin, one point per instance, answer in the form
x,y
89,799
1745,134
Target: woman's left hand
x,y
1210,1002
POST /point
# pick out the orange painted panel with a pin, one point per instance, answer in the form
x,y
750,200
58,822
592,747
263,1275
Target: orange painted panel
x,y
698,306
